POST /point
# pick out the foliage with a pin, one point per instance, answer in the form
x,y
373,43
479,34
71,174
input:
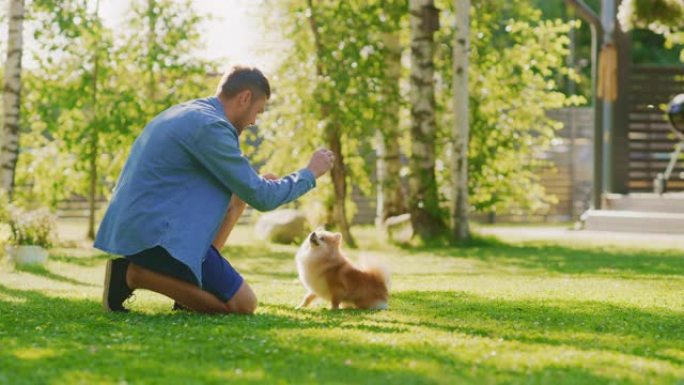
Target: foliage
x,y
514,66
660,15
515,56
96,105
46,174
647,47
161,36
664,17
352,59
491,313
35,227
91,109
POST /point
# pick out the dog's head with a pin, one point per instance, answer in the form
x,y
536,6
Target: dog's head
x,y
324,241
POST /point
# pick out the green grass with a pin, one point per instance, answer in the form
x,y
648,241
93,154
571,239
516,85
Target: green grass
x,y
488,313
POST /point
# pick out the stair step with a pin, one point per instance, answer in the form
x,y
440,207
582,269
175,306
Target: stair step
x,y
634,221
647,202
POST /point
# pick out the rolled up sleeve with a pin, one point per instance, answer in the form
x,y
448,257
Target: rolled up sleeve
x,y
217,148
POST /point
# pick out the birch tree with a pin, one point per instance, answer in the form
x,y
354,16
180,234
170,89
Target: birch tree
x,y
426,217
12,95
389,191
459,151
94,134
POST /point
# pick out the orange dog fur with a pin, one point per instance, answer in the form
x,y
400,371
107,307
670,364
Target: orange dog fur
x,y
327,273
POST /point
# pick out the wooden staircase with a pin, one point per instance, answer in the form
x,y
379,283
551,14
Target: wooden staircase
x,y
639,213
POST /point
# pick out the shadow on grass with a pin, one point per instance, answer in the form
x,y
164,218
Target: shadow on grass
x,y
586,325
262,260
87,261
59,340
561,259
42,271
48,339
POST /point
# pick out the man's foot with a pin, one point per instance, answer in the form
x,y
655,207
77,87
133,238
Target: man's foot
x,y
115,289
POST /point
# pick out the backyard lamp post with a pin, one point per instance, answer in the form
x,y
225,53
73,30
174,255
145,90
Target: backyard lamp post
x,y
675,112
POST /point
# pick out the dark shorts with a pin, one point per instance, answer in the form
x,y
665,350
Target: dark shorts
x,y
218,276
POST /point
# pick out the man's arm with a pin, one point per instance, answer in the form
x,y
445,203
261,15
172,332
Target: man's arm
x,y
215,146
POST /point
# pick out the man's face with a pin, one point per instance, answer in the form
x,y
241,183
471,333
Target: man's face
x,y
249,107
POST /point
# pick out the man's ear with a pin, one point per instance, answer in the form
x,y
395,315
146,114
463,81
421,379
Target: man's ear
x,y
246,97
337,237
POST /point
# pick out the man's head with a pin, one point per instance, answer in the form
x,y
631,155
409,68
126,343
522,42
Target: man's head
x,y
243,91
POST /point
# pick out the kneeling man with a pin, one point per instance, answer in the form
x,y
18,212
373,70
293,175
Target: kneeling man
x,y
181,191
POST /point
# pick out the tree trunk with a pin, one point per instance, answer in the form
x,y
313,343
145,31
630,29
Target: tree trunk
x,y
12,95
390,195
333,136
338,175
459,166
94,139
423,199
92,193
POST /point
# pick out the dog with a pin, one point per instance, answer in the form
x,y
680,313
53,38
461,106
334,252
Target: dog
x,y
327,273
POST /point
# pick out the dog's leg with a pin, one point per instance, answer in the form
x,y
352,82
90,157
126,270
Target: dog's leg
x,y
306,300
335,304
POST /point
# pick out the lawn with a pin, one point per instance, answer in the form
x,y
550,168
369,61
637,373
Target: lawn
x,y
493,312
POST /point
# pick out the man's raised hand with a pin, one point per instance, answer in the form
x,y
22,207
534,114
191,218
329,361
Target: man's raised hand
x,y
321,162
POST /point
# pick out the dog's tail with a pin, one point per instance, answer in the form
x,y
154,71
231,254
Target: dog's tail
x,y
377,268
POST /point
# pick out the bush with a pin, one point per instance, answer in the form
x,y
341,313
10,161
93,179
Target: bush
x,y
35,227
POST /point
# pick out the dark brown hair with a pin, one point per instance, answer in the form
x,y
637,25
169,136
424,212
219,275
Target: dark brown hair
x,y
241,78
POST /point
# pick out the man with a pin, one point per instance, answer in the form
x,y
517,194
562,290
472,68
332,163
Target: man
x,y
180,193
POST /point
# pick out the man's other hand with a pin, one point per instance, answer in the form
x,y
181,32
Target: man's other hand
x,y
321,162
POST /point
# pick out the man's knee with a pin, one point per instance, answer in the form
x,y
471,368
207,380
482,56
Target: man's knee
x,y
244,301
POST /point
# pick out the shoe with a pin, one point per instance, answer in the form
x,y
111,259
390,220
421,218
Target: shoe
x,y
179,307
115,289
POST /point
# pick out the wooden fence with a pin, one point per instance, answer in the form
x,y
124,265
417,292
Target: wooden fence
x,y
650,140
569,180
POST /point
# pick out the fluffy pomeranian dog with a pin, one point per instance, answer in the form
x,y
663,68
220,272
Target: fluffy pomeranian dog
x,y
328,274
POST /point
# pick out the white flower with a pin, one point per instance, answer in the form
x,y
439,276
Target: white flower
x,y
36,227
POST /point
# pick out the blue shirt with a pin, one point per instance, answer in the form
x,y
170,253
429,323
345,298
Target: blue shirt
x,y
175,187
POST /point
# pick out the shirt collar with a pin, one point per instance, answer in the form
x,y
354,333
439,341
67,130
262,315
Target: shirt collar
x,y
214,101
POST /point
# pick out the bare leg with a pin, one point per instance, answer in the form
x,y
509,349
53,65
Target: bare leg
x,y
307,300
188,295
191,296
335,304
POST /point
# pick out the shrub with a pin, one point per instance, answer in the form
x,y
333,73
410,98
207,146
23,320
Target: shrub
x,y
35,227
